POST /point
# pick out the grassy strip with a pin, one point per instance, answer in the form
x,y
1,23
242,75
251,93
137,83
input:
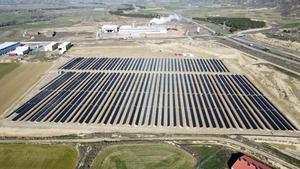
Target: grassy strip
x,y
211,156
136,15
291,25
144,156
15,156
5,68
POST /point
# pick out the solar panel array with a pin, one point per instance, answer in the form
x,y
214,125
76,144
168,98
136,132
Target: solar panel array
x,y
168,99
147,64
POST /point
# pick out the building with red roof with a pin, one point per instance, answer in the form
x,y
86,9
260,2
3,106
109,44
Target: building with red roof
x,y
245,162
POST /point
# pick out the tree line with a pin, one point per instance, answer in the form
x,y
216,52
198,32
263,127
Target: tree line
x,y
234,23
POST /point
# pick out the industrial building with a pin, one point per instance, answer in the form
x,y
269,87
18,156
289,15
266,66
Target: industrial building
x,y
51,46
110,28
129,31
20,51
8,46
64,47
245,162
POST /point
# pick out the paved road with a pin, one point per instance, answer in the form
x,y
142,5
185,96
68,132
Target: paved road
x,y
278,54
287,61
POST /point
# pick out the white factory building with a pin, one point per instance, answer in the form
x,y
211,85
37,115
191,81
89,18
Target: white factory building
x,y
135,32
110,28
20,51
51,46
129,31
64,47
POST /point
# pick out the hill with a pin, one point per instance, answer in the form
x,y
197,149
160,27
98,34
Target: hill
x,y
287,7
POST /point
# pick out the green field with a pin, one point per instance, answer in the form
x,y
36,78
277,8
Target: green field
x,y
5,68
17,156
12,16
144,156
9,18
211,157
135,15
234,23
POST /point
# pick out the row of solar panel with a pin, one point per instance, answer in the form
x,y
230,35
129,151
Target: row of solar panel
x,y
157,99
68,76
147,64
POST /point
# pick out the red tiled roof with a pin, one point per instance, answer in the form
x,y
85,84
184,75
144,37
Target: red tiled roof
x,y
245,162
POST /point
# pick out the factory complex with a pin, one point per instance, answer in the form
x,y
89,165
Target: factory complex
x,y
130,31
13,49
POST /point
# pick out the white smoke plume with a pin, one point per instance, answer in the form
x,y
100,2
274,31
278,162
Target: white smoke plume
x,y
163,20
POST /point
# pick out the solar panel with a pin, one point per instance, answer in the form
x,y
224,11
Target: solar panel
x,y
165,92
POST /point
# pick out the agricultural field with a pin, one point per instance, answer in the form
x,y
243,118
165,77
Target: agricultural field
x,y
144,156
141,12
260,14
9,17
265,14
15,156
62,18
66,22
5,68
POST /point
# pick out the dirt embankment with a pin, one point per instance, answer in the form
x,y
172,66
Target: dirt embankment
x,y
291,45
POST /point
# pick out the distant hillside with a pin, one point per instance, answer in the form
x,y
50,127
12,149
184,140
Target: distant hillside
x,y
46,1
32,1
287,7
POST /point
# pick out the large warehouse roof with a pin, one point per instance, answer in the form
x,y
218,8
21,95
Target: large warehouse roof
x,y
142,29
7,44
